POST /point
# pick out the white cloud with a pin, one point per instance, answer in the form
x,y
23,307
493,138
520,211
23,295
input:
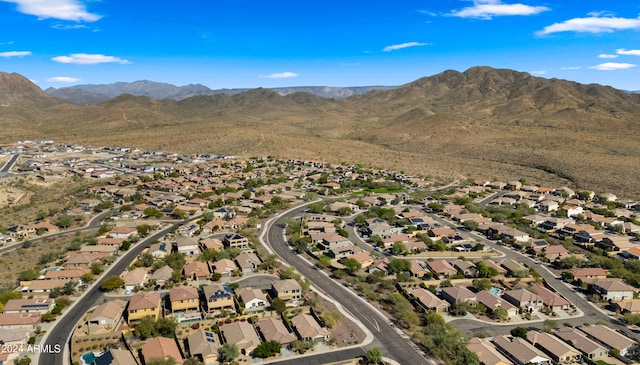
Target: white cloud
x,y
89,59
426,12
610,66
486,9
15,54
604,55
69,26
571,68
73,10
593,24
538,72
281,75
63,79
403,45
6,43
628,52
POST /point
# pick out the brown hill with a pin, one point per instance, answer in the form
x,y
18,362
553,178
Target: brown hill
x,y
483,122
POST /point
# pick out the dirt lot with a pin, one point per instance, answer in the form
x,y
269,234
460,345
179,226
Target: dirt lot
x,y
16,261
11,195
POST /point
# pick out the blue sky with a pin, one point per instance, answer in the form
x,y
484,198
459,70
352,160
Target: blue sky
x,y
248,43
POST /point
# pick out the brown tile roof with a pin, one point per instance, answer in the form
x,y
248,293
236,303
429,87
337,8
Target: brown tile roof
x,y
144,301
161,348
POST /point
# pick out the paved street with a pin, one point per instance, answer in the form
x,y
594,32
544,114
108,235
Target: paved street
x,y
60,333
386,338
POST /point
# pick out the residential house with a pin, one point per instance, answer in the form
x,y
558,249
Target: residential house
x,y
455,294
248,262
331,241
379,228
287,290
106,317
242,334
627,306
236,240
418,268
42,287
520,351
529,301
163,275
364,258
344,251
466,268
550,299
184,299
161,348
224,267
558,351
159,250
21,232
123,232
83,260
441,232
555,252
116,357
27,321
493,302
12,340
213,244
197,270
588,273
381,265
612,289
514,268
142,305
308,328
33,305
272,329
429,301
487,352
218,297
441,268
612,339
252,299
589,348
135,278
204,345
106,249
187,246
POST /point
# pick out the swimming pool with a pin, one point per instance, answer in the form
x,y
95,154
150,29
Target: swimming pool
x,y
88,358
495,291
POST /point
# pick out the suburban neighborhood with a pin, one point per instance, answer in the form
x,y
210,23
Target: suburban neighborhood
x,y
213,259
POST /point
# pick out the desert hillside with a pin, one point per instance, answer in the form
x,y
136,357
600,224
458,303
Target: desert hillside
x,y
484,122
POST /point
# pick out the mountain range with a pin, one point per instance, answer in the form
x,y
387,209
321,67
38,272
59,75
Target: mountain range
x,y
482,123
94,94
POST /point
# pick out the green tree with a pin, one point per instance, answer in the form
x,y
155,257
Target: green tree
x,y
482,284
27,275
519,332
175,260
162,361
500,313
279,305
351,265
470,225
152,212
112,283
373,356
229,351
192,361
146,328
549,325
324,261
64,221
166,327
399,265
485,271
143,229
125,246
398,248
267,349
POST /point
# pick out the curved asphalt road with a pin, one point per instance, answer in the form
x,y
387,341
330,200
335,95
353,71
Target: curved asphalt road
x,y
387,339
61,331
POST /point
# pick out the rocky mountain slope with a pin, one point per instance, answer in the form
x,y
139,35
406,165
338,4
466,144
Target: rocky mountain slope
x,y
484,122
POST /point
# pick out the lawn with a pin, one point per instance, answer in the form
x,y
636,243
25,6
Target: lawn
x,y
601,362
